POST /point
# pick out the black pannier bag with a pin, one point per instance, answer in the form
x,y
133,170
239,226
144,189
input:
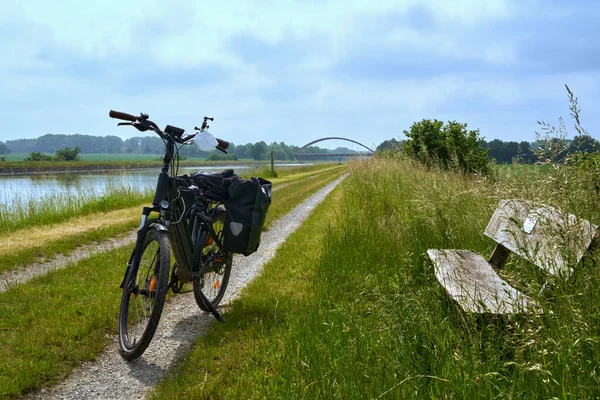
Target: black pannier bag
x,y
246,208
216,183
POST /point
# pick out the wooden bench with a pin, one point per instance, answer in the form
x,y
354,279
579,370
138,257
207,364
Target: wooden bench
x,y
538,233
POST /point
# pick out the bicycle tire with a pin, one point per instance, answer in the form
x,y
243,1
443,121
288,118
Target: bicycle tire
x,y
144,295
213,283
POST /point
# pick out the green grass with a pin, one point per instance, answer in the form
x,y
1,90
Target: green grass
x,y
60,206
298,191
350,307
62,245
54,322
13,157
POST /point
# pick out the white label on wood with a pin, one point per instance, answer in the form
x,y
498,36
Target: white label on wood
x,y
530,223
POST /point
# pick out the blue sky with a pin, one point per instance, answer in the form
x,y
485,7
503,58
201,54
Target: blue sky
x,y
295,71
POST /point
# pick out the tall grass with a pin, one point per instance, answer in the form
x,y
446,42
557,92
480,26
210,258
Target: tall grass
x,y
382,312
60,206
371,320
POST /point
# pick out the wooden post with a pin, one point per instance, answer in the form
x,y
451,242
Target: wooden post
x,y
272,163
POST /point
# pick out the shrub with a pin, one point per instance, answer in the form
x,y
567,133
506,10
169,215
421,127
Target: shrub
x,y
38,156
68,154
451,146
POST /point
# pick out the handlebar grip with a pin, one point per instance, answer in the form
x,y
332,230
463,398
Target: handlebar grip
x,y
222,143
122,115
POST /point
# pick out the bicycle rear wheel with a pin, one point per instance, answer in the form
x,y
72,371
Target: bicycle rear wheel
x,y
213,282
144,295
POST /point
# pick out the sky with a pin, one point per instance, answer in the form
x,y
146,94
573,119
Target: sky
x,y
296,71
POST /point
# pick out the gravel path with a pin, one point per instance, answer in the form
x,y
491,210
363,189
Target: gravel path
x,y
110,377
24,274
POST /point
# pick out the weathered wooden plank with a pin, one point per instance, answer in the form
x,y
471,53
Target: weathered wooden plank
x,y
474,285
541,234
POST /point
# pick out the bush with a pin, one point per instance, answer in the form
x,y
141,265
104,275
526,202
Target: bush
x,y
450,146
68,154
38,156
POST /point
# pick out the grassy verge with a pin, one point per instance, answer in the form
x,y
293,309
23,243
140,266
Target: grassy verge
x,y
35,244
59,207
350,307
54,322
297,191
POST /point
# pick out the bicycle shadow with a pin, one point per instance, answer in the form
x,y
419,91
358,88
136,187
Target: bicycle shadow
x,y
174,337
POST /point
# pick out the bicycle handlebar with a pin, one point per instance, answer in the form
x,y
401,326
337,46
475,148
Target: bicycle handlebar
x,y
122,115
223,144
143,122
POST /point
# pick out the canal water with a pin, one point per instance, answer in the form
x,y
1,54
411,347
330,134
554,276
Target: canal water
x,y
25,188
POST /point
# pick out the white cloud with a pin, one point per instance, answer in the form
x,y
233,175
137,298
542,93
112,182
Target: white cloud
x,y
272,70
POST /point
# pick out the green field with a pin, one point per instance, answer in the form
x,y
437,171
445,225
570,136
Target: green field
x,y
15,157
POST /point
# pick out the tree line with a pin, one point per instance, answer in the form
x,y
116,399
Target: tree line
x,y
86,144
502,152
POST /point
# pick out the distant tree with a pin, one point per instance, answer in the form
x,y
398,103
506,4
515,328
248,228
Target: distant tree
x,y
147,149
259,150
391,144
218,156
525,154
4,148
450,145
231,149
67,154
584,144
37,156
241,151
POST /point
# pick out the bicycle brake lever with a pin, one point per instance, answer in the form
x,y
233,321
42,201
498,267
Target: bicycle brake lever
x,y
124,123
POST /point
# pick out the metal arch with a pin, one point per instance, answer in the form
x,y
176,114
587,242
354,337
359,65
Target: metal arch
x,y
334,138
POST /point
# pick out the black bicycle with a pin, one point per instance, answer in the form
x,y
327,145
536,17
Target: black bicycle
x,y
187,216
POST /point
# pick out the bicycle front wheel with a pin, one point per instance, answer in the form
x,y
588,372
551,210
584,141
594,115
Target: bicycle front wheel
x,y
144,295
213,282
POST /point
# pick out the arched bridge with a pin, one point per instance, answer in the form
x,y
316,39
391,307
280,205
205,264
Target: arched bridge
x,y
300,153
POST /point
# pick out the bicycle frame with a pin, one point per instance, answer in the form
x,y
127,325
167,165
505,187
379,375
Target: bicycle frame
x,y
170,202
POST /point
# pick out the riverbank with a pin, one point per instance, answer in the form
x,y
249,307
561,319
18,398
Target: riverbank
x,y
75,167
